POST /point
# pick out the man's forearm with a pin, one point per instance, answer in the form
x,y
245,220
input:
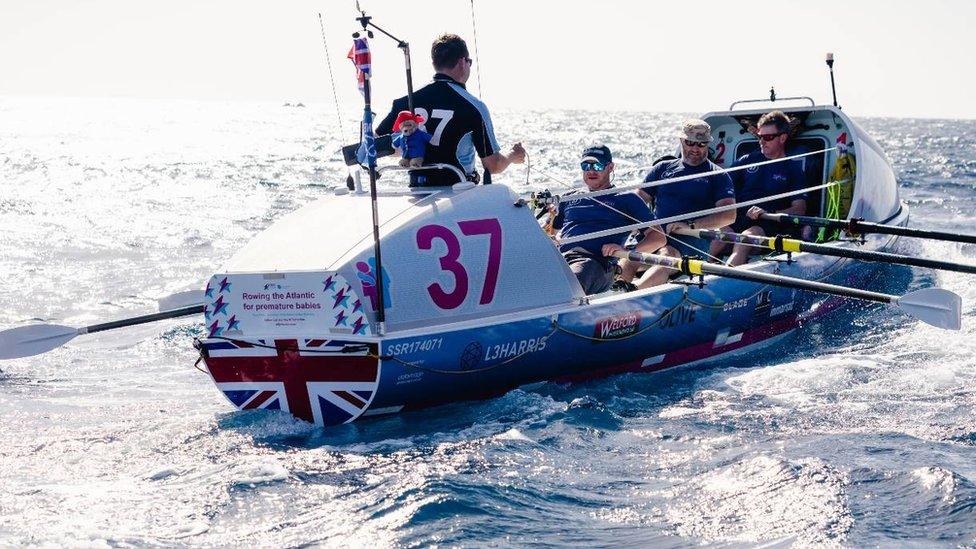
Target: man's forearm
x,y
496,163
715,220
797,207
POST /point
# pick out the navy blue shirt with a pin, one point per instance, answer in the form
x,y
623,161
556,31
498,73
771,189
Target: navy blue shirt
x,y
585,215
760,181
689,196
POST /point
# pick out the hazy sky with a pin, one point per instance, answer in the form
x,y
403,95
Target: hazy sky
x,y
894,58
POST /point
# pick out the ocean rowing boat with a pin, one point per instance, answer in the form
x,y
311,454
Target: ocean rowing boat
x,y
479,301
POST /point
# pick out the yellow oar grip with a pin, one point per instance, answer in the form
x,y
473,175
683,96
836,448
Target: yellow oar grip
x,y
791,245
780,244
694,266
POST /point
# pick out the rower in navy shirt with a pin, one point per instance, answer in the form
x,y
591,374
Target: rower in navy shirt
x,y
684,197
768,180
459,123
587,259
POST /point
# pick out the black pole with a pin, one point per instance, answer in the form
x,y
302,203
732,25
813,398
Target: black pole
x,y
406,60
697,267
833,89
143,319
790,244
858,226
371,166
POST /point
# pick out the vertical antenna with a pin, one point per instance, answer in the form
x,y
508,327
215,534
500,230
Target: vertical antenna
x,y
833,89
335,95
474,31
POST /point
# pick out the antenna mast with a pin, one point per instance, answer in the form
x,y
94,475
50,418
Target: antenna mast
x,y
833,89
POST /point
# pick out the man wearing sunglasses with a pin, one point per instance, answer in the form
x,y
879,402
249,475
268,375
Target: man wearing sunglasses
x,y
684,197
588,259
761,181
458,122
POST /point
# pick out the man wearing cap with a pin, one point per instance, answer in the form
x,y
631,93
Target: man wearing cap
x,y
458,122
761,181
588,258
683,197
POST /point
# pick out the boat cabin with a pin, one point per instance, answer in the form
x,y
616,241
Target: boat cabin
x,y
873,194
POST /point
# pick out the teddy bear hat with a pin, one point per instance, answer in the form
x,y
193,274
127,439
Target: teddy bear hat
x,y
404,116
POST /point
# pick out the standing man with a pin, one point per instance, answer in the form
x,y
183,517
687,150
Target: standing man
x,y
683,197
761,181
587,259
458,122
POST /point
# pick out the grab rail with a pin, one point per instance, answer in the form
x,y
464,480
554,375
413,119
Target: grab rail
x,y
451,167
799,97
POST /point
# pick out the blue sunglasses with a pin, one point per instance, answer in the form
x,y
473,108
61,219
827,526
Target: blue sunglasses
x,y
594,166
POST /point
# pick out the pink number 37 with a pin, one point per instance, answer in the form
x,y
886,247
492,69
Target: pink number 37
x,y
449,261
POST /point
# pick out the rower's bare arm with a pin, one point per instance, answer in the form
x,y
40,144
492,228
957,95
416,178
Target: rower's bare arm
x,y
497,162
720,219
797,207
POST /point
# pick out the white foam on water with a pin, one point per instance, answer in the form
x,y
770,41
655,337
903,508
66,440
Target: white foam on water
x,y
260,471
764,498
937,479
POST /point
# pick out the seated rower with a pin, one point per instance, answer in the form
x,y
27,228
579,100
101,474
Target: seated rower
x,y
587,259
681,198
758,182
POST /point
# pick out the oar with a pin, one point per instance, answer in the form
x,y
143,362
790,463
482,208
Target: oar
x,y
936,306
781,244
181,299
858,226
40,338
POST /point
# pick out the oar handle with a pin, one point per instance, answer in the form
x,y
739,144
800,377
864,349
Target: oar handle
x,y
782,244
858,226
699,267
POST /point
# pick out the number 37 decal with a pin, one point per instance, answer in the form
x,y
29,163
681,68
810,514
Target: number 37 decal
x,y
449,261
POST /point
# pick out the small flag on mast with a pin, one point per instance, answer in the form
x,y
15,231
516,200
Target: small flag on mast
x,y
360,57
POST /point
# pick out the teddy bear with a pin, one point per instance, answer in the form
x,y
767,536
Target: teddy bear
x,y
410,141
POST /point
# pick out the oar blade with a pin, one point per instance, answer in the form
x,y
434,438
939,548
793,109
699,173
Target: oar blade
x,y
936,306
34,339
181,299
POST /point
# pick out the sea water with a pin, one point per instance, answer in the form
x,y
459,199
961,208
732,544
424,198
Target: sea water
x,y
859,430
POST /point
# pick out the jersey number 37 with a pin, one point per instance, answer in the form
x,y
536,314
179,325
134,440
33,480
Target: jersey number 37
x,y
443,116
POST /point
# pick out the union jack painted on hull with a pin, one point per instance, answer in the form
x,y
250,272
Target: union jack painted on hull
x,y
327,382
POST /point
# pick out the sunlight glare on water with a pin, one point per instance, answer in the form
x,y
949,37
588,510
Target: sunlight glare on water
x,y
856,431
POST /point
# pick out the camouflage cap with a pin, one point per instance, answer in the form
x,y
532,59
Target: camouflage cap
x,y
695,130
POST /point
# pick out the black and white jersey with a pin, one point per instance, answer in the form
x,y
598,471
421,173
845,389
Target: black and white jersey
x,y
458,122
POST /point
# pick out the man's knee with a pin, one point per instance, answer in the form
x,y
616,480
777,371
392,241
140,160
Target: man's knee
x,y
593,276
669,251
